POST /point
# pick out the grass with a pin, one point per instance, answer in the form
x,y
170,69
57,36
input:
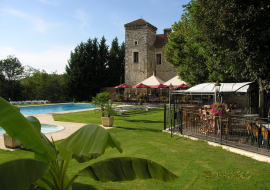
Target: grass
x,y
198,165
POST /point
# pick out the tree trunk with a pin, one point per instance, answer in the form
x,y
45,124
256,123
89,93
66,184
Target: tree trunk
x,y
262,108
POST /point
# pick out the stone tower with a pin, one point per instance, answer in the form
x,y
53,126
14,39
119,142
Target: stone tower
x,y
144,53
140,39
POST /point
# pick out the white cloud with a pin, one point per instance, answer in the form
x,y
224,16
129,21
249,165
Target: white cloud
x,y
83,17
38,24
15,13
50,2
54,59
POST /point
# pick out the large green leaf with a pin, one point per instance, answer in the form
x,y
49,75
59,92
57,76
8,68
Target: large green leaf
x,y
20,174
127,169
88,142
24,130
35,123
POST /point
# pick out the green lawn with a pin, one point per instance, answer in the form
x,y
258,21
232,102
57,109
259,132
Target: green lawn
x,y
198,165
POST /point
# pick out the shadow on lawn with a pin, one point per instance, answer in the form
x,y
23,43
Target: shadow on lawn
x,y
82,186
129,114
144,121
140,129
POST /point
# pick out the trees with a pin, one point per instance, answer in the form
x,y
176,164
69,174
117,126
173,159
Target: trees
x,y
186,53
49,168
83,72
116,63
92,67
196,59
11,71
241,30
39,85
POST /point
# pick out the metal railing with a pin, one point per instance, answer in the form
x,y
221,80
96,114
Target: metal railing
x,y
247,133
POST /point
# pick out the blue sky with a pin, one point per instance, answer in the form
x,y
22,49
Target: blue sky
x,y
42,33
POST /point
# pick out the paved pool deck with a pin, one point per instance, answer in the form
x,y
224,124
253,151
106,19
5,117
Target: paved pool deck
x,y
47,118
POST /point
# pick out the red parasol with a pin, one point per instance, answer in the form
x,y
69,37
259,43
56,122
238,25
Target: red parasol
x,y
160,86
123,86
183,86
141,85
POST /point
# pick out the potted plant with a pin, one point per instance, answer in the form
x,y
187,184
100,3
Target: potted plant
x,y
185,99
140,98
107,120
163,98
119,97
104,100
219,109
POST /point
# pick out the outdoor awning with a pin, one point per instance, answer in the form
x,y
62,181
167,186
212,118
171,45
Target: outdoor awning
x,y
152,81
175,81
225,87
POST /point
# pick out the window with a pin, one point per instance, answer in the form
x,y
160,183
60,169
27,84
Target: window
x,y
158,57
136,57
136,42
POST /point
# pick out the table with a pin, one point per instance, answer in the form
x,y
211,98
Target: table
x,y
252,115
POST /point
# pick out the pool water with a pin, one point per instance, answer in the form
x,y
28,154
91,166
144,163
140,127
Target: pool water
x,y
44,129
29,110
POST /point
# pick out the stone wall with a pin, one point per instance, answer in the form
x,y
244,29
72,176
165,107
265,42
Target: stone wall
x,y
241,98
139,40
164,71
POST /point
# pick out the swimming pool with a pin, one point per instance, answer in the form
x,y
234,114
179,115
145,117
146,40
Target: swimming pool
x,y
44,129
29,110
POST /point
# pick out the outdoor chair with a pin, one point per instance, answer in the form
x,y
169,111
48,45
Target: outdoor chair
x,y
249,130
265,136
255,134
206,126
225,125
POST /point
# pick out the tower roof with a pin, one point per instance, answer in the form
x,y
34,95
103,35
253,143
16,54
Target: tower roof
x,y
140,22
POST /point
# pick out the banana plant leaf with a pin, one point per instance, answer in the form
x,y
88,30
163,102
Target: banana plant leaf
x,y
88,142
24,130
127,169
20,174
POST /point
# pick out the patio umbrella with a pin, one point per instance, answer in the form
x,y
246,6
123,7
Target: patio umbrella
x,y
185,86
141,85
182,86
123,86
160,86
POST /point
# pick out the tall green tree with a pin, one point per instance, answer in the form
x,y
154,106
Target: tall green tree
x,y
186,53
74,77
116,63
86,69
11,71
196,59
103,62
241,30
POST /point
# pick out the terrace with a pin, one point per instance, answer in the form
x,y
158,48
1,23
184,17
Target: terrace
x,y
238,127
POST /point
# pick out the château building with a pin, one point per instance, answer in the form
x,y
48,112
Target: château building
x,y
144,53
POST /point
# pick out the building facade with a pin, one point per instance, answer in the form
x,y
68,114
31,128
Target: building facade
x,y
144,53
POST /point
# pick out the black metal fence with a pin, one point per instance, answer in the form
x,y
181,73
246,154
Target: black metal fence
x,y
244,132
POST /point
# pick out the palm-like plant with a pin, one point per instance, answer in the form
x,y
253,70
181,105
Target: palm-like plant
x,y
101,100
48,169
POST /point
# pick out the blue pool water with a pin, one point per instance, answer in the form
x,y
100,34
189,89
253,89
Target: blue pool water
x,y
29,110
44,129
